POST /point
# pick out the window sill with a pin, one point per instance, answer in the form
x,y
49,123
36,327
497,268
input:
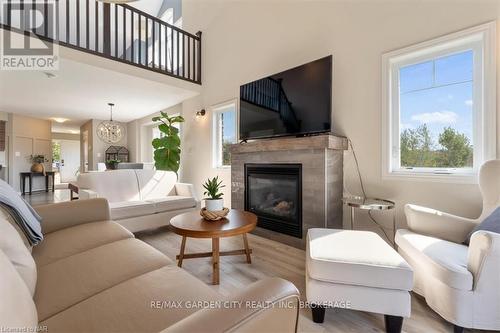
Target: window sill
x,y
452,178
223,167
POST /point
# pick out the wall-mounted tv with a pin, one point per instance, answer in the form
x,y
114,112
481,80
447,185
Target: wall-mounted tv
x,y
294,102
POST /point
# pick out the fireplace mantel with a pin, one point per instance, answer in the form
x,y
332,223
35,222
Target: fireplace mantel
x,y
324,141
321,158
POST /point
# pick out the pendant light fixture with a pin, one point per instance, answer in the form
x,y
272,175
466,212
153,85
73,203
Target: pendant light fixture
x,y
110,131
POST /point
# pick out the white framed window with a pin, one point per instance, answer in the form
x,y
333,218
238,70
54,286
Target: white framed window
x,y
439,107
225,132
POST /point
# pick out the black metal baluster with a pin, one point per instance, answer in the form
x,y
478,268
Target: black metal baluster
x,y
140,40
96,41
153,53
171,50
147,42
33,18
183,56
132,54
159,45
87,25
198,79
46,18
9,13
177,52
189,57
116,30
124,52
78,22
56,17
67,21
166,48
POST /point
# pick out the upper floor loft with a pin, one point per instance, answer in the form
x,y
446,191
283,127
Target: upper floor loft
x,y
115,31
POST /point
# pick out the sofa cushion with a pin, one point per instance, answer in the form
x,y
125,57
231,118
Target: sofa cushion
x,y
172,203
69,241
73,279
17,309
115,185
446,261
128,209
140,304
13,247
155,184
355,258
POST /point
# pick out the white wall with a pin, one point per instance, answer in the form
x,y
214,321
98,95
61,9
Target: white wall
x,y
28,136
140,135
247,40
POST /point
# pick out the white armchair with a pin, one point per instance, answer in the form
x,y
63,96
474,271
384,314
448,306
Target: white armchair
x,y
459,282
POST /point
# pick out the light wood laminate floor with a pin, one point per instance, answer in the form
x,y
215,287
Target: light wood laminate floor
x,y
273,259
270,259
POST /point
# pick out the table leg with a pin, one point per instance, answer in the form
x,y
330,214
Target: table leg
x,y
215,260
46,182
53,182
352,218
183,248
23,183
31,180
247,249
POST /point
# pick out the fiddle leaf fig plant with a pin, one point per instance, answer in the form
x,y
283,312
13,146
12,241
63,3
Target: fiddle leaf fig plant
x,y
167,148
212,187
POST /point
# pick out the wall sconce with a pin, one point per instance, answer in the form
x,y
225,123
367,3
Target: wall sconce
x,y
200,114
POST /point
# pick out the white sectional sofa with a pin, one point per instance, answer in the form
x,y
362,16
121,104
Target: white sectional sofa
x,y
139,199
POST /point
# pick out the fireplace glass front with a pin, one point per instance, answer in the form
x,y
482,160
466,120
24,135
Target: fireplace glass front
x,y
274,193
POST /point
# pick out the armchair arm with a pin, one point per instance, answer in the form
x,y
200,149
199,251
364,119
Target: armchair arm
x,y
269,305
438,224
67,214
87,194
484,259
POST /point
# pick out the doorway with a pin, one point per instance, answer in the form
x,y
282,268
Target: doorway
x,y
66,157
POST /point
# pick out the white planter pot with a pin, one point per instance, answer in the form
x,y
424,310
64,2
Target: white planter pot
x,y
214,204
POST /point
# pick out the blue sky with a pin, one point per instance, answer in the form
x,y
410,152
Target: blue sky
x,y
438,93
229,133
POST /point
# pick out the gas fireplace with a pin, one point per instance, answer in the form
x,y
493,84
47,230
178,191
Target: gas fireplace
x,y
274,193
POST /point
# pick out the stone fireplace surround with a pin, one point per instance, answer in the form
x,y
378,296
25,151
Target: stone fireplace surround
x,y
321,157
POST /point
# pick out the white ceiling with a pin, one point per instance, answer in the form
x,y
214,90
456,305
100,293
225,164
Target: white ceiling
x,y
80,92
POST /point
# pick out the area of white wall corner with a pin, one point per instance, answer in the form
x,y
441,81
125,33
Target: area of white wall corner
x,y
237,50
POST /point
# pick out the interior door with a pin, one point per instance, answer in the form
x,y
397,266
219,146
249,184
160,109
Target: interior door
x,y
70,160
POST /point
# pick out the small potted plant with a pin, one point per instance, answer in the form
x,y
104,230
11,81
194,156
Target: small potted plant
x,y
112,164
214,200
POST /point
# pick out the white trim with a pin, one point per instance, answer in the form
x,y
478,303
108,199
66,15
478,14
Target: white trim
x,y
214,111
481,39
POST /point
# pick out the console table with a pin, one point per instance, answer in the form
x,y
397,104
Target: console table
x,y
29,175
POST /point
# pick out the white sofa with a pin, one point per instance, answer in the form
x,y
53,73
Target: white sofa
x,y
139,199
459,282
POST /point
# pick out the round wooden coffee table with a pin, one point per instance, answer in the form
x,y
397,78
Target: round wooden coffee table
x,y
191,224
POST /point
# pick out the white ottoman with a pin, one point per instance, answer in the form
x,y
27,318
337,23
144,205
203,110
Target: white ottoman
x,y
357,270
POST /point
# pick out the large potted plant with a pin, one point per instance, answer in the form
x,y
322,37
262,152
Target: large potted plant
x,y
213,201
167,148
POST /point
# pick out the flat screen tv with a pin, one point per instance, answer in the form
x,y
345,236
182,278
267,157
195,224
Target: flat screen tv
x,y
294,102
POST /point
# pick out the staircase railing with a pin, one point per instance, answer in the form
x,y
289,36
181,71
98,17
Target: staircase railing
x,y
114,31
269,94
